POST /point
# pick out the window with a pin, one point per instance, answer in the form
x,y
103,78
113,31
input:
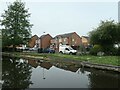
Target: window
x,y
60,40
73,40
67,49
65,39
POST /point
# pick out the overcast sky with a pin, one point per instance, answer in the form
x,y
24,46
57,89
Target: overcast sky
x,y
59,17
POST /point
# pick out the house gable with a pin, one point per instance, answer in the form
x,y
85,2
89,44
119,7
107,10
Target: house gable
x,y
32,41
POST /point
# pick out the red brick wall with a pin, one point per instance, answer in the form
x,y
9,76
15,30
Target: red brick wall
x,y
77,40
85,41
45,41
32,41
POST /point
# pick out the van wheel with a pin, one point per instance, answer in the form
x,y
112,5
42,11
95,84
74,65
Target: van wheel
x,y
61,52
70,53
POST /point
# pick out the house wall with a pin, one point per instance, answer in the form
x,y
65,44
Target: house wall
x,y
65,40
32,41
45,41
75,40
85,41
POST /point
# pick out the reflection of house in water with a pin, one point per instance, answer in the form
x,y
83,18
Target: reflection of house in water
x,y
71,68
33,63
46,65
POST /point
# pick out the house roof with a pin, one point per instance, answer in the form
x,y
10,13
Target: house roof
x,y
34,36
45,36
65,35
85,36
88,38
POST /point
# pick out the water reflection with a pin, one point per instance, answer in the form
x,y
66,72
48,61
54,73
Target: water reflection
x,y
19,73
0,73
103,79
36,63
16,74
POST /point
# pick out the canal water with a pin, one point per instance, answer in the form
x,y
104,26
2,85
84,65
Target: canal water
x,y
21,73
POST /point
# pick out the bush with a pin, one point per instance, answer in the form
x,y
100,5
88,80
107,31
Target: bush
x,y
118,51
8,49
110,50
114,51
96,49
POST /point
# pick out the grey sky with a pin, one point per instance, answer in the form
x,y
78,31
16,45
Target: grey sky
x,y
64,17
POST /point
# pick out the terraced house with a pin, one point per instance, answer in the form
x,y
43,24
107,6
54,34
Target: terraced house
x,y
40,42
45,41
85,40
72,39
33,41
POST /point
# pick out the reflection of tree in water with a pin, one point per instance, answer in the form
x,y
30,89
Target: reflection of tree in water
x,y
15,74
103,79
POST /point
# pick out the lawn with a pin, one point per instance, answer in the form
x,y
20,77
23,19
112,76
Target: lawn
x,y
110,60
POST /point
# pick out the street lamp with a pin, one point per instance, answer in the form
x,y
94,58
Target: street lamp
x,y
41,40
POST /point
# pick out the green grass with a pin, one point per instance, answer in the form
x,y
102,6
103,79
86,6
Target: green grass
x,y
110,60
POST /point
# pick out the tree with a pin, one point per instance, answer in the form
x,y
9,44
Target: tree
x,y
106,35
16,25
118,34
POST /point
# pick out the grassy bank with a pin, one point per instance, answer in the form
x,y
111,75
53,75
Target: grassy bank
x,y
109,60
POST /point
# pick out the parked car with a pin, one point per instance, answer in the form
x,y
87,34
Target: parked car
x,y
40,50
47,50
66,49
50,50
33,49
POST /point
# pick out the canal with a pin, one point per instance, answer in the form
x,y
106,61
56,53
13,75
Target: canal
x,y
22,73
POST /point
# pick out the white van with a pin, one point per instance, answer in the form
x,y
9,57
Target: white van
x,y
66,49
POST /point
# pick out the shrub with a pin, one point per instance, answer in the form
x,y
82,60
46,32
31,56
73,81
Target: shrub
x,y
110,50
114,51
118,51
96,49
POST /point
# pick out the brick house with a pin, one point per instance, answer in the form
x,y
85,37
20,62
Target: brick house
x,y
85,40
42,42
45,41
32,42
72,39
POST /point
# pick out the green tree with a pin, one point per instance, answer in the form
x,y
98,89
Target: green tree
x,y
106,35
118,34
16,25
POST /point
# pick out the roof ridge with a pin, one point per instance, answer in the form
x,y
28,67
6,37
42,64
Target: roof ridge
x,y
65,34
